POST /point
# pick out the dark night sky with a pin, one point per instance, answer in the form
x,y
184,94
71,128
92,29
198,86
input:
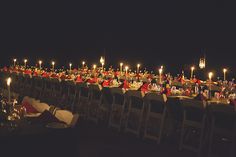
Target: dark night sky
x,y
169,33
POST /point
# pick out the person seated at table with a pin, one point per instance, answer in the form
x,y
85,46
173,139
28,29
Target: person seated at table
x,y
93,79
106,83
79,78
145,87
125,84
166,90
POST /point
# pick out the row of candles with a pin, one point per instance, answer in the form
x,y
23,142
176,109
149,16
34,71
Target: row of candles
x,y
102,61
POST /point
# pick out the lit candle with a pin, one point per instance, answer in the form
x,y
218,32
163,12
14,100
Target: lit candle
x,y
53,63
160,72
70,66
121,65
94,67
126,70
83,62
25,61
224,70
210,74
14,60
192,69
138,66
102,61
8,86
183,74
40,63
102,66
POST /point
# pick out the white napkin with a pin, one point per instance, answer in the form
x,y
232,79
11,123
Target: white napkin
x,y
64,116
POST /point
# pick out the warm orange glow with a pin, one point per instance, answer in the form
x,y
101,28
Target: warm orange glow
x,y
160,71
102,60
8,81
126,69
210,74
94,66
121,65
192,68
224,70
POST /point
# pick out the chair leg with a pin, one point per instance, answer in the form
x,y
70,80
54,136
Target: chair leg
x,y
210,142
161,130
145,126
181,137
201,142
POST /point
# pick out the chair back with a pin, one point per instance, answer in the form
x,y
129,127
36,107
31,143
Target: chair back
x,y
95,92
155,103
223,116
135,99
117,95
194,110
174,108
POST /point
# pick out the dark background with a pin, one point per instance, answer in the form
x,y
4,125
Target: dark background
x,y
170,33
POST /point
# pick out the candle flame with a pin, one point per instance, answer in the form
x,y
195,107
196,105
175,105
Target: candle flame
x,y
25,60
138,65
102,60
192,68
70,64
8,81
224,70
94,66
210,74
14,60
83,62
40,62
53,63
121,64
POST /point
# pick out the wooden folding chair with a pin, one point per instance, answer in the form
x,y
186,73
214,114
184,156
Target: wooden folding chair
x,y
105,106
193,132
175,116
94,102
223,126
135,112
82,100
117,108
155,118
